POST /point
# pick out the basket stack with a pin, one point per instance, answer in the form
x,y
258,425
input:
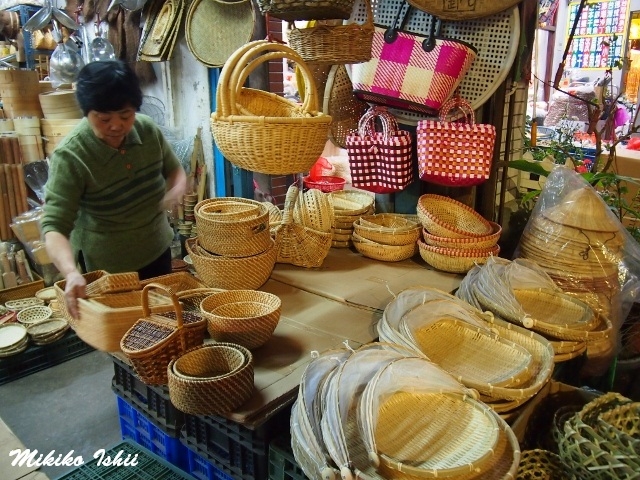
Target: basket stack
x,y
386,237
580,245
234,248
348,206
456,237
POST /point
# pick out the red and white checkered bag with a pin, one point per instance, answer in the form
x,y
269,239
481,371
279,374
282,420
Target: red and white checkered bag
x,y
455,154
380,162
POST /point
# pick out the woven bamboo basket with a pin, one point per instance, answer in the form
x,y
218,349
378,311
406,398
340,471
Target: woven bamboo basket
x,y
254,130
243,317
306,9
474,243
542,464
297,244
381,251
455,260
154,340
232,273
334,44
313,209
35,314
446,217
233,227
213,379
114,283
178,282
350,205
387,229
59,287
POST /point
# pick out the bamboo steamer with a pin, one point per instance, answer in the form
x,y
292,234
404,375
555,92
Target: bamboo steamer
x,y
55,130
19,90
31,148
60,104
6,125
27,125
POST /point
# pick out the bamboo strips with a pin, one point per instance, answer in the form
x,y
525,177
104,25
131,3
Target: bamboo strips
x,y
4,210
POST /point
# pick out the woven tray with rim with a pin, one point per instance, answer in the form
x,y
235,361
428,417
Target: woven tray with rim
x,y
351,204
388,229
473,243
446,217
113,283
154,340
383,252
243,317
455,260
213,379
261,131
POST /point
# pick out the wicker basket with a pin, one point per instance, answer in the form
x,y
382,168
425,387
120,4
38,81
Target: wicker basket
x,y
446,217
334,44
178,282
473,243
232,273
297,244
350,205
114,283
244,317
455,260
313,209
59,287
383,252
387,229
234,227
32,315
263,132
21,291
154,340
212,379
306,9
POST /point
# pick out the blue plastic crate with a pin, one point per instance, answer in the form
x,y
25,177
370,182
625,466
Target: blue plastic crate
x,y
136,426
201,468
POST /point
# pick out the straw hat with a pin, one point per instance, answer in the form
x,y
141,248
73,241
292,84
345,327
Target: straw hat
x,y
585,210
215,29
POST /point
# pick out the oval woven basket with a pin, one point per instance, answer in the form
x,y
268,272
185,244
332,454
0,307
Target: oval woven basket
x,y
382,252
213,379
474,243
244,317
232,273
446,217
234,227
387,229
455,260
33,315
265,137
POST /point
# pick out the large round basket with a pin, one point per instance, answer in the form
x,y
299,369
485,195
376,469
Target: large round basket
x,y
232,273
446,217
245,317
235,227
382,252
263,132
211,380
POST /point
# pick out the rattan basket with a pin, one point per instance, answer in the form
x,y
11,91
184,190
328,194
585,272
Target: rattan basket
x,y
243,317
233,227
381,251
297,244
59,287
388,229
455,260
232,273
263,132
334,44
473,243
291,10
178,282
212,379
446,217
113,283
313,209
154,340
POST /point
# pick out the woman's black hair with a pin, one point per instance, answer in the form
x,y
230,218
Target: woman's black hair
x,y
108,86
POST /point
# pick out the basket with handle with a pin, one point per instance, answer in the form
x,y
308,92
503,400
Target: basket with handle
x,y
297,244
263,132
154,340
334,44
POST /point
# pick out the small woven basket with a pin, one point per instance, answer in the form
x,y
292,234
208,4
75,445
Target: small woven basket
x,y
35,314
114,283
243,317
313,209
455,260
232,273
234,227
446,217
383,252
334,44
306,9
260,131
154,340
387,229
349,205
213,379
474,243
59,287
178,282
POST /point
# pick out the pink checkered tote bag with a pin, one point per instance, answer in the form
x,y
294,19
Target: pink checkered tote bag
x,y
411,71
380,162
455,154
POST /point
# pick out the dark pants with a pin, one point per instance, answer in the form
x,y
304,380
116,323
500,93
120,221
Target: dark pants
x,y
160,266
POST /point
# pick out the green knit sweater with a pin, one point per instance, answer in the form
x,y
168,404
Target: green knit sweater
x,y
107,200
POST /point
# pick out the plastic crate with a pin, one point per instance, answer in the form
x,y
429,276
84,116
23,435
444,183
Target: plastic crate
x,y
152,400
233,448
36,358
202,468
149,466
282,463
135,426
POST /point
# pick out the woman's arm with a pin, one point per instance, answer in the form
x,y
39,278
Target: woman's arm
x,y
61,254
176,187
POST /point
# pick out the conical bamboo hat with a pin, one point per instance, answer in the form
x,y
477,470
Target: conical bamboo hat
x,y
583,209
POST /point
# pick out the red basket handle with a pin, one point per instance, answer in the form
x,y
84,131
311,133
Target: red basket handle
x,y
367,123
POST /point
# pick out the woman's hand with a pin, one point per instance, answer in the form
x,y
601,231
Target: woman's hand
x,y
74,289
176,188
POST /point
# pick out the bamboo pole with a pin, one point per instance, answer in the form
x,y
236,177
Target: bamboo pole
x,y
23,188
4,208
8,174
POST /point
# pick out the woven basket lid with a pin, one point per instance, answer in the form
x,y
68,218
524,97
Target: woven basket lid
x,y
583,209
343,106
215,29
462,10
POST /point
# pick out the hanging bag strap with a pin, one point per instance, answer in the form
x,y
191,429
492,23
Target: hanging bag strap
x,y
428,44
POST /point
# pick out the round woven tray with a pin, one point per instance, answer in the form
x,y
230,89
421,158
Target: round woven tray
x,y
33,315
455,260
350,205
473,243
382,252
22,303
387,229
446,217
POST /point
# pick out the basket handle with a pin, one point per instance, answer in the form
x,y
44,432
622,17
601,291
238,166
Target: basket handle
x,y
368,21
174,299
289,204
273,50
458,102
367,124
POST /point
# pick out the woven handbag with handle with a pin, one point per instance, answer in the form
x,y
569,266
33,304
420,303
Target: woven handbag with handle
x,y
380,162
452,153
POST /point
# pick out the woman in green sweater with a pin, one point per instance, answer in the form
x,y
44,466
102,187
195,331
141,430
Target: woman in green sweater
x,y
110,184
